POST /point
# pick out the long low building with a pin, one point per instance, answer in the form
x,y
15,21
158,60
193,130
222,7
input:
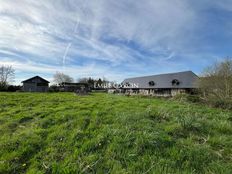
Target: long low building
x,y
163,84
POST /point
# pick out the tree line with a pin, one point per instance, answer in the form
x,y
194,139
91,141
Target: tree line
x,y
59,78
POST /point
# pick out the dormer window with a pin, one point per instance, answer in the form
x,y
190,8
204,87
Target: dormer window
x,y
151,83
127,84
175,82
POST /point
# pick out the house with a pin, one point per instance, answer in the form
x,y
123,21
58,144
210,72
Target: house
x,y
82,88
35,84
163,84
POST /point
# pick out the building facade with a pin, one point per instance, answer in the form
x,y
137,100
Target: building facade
x,y
163,84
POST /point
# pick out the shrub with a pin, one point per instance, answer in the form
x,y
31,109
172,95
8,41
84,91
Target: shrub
x,y
193,98
224,104
216,84
13,88
53,88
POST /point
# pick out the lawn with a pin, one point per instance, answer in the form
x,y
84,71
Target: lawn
x,y
103,133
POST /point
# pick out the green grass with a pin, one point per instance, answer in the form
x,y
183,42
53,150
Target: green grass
x,y
102,133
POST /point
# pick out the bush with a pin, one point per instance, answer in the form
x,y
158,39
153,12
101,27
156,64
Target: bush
x,y
54,88
188,98
13,88
3,88
194,98
180,97
224,104
216,84
211,101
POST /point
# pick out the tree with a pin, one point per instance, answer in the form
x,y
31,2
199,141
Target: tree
x,y
99,82
60,78
93,82
89,80
6,76
82,80
216,83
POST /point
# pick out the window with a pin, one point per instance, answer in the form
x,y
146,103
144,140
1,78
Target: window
x,y
127,84
151,83
42,84
175,82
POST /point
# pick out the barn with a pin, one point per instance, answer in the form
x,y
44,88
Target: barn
x,y
35,84
162,84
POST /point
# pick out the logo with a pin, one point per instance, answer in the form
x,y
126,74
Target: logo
x,y
115,85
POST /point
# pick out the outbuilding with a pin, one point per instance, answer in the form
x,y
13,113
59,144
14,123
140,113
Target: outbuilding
x,y
35,84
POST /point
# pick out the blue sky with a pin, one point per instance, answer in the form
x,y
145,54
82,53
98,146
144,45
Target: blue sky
x,y
113,39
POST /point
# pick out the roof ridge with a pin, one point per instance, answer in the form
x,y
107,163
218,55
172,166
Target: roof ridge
x,y
35,77
161,74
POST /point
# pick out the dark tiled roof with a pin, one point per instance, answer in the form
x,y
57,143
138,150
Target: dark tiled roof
x,y
36,77
186,79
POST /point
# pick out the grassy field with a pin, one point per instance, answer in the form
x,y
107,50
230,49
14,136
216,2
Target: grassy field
x,y
102,133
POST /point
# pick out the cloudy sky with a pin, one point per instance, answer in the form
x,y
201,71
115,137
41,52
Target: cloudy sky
x,y
113,38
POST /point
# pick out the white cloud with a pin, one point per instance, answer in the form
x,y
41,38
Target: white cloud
x,y
100,30
31,25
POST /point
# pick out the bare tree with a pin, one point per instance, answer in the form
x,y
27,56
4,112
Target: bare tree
x,y
6,76
60,78
217,81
